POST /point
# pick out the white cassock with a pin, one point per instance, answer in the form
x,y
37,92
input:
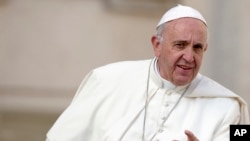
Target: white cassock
x,y
129,101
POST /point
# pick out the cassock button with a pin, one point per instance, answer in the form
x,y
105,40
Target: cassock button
x,y
169,93
160,130
166,104
164,118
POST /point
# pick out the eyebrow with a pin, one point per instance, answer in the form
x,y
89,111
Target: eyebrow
x,y
180,41
187,42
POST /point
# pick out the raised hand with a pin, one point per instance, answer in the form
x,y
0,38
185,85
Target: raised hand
x,y
190,136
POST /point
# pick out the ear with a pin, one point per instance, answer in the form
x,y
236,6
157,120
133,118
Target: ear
x,y
156,45
205,47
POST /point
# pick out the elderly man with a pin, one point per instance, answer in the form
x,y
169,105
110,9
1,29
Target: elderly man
x,y
161,99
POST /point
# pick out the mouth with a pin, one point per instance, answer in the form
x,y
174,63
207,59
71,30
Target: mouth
x,y
184,67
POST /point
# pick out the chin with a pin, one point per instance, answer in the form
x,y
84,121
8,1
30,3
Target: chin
x,y
182,82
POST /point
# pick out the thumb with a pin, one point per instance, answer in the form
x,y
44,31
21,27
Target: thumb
x,y
190,136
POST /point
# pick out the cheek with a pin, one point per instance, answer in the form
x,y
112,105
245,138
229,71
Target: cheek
x,y
199,56
198,61
170,60
157,53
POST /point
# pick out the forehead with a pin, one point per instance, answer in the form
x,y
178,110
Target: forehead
x,y
186,28
187,20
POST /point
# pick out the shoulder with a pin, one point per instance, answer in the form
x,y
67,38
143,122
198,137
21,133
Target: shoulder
x,y
122,67
205,86
120,71
213,94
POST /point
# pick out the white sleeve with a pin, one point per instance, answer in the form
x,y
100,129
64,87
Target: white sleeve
x,y
76,122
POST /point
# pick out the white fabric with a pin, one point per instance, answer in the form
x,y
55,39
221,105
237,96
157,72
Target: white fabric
x,y
181,11
166,84
109,106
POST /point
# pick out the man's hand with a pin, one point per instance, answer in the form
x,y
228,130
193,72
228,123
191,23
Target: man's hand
x,y
190,136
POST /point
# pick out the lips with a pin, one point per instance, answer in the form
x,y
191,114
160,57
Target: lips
x,y
185,67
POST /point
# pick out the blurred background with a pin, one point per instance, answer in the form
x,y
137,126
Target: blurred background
x,y
48,46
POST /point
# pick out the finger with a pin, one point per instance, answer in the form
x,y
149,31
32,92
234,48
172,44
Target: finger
x,y
191,136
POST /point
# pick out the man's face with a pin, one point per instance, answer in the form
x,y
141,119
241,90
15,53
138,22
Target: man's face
x,y
181,49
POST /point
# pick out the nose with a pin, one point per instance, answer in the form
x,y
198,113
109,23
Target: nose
x,y
188,55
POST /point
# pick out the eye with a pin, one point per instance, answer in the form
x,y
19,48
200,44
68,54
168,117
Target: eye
x,y
198,46
180,45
